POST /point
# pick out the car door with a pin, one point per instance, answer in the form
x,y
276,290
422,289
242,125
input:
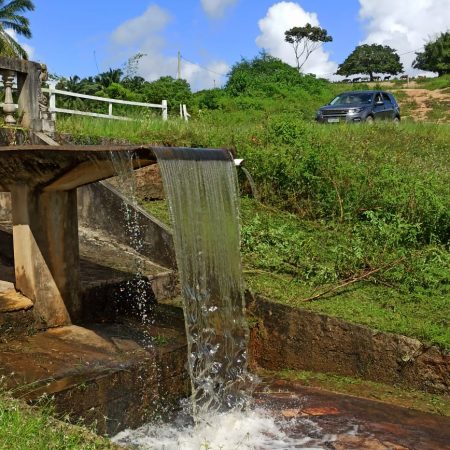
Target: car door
x,y
378,107
389,110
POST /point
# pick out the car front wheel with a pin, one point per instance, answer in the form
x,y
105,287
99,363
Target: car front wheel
x,y
369,120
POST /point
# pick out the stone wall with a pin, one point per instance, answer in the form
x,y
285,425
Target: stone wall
x,y
291,338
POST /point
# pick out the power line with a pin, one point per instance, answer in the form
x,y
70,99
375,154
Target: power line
x,y
204,68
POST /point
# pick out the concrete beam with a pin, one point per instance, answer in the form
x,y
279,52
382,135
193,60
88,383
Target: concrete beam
x,y
46,254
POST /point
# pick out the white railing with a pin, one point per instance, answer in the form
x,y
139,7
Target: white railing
x,y
53,109
184,113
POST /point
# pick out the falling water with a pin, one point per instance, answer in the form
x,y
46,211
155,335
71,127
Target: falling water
x,y
201,187
136,289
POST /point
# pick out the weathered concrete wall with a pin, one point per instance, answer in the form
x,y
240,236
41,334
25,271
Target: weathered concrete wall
x,y
101,206
46,258
28,86
293,338
5,207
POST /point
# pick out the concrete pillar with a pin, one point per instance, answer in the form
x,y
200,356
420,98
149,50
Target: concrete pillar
x,y
46,254
28,85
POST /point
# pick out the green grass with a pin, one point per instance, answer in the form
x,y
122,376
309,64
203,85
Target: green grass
x,y
440,110
442,82
337,202
288,260
418,400
34,428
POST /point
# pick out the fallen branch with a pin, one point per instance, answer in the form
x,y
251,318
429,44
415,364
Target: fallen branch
x,y
352,280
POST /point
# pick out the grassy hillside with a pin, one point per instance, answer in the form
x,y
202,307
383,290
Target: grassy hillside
x,y
336,203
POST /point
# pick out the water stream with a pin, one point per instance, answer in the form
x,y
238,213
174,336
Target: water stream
x,y
201,187
135,293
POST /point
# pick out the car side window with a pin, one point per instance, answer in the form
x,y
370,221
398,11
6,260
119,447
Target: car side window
x,y
378,98
386,99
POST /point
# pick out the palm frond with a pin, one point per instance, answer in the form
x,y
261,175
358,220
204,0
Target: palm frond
x,y
9,47
20,25
15,6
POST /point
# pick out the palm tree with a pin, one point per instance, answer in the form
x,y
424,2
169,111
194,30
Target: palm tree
x,y
11,18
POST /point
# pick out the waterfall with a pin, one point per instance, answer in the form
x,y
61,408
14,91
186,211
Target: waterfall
x,y
201,187
136,292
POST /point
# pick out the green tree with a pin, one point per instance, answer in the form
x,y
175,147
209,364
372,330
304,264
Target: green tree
x,y
267,77
260,76
435,56
305,40
11,18
370,59
167,88
109,77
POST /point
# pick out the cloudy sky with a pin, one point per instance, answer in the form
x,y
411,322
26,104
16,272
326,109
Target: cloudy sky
x,y
86,37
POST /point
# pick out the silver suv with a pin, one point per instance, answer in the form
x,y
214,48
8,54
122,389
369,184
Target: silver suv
x,y
360,106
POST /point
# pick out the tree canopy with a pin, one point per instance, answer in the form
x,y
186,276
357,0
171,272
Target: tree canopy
x,y
435,56
261,75
11,18
305,40
370,59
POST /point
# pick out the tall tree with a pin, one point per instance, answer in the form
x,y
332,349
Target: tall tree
x,y
11,18
435,56
105,79
305,40
370,59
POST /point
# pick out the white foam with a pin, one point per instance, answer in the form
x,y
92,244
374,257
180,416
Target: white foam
x,y
223,431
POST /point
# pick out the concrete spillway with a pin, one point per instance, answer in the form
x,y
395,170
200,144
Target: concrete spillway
x,y
43,181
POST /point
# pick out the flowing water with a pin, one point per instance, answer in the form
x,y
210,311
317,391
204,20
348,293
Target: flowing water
x,y
201,187
136,292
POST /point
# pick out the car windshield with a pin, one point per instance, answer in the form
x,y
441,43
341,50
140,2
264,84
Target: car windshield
x,y
352,99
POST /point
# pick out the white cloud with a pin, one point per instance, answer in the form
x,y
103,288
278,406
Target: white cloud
x,y
28,48
216,8
144,34
281,17
152,21
404,25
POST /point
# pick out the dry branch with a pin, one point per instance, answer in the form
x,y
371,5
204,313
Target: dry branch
x,y
355,279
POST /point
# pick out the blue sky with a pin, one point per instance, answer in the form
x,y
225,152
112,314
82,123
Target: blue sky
x,y
214,34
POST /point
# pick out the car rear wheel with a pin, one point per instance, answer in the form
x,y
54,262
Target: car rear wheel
x,y
396,120
369,120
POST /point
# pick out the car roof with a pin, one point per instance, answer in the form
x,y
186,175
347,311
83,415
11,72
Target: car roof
x,y
361,92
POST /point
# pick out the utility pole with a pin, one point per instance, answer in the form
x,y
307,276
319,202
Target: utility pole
x,y
179,66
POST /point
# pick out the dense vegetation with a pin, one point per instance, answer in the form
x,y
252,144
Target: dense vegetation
x,y
336,203
435,56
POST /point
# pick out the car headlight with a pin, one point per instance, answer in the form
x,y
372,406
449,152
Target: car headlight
x,y
354,110
319,113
